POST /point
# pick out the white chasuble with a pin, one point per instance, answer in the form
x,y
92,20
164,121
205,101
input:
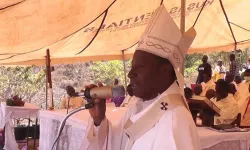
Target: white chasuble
x,y
164,124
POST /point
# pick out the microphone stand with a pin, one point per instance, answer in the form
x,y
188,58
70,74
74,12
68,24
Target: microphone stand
x,y
62,124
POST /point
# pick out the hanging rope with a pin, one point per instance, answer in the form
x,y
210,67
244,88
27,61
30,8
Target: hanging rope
x,y
17,54
240,26
200,12
229,25
243,41
12,5
104,17
161,2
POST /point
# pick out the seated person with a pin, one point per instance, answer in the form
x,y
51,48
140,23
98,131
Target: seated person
x,y
238,80
244,86
238,97
71,102
129,97
197,89
210,94
118,100
188,93
208,82
230,79
234,92
225,102
243,89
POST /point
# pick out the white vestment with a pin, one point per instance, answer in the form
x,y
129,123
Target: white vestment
x,y
128,100
228,109
175,129
207,86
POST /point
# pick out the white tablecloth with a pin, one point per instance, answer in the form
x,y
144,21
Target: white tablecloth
x,y
74,132
213,140
8,113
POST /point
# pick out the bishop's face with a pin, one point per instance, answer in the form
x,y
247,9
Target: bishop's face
x,y
147,77
143,75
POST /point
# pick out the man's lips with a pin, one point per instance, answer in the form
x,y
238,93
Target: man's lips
x,y
133,85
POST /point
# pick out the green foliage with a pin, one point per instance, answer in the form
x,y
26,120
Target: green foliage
x,y
107,71
22,81
191,64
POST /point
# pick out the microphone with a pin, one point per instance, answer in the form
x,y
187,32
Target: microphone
x,y
103,92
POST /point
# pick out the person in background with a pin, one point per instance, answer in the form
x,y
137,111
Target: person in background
x,y
233,68
116,82
208,82
248,65
197,89
118,100
210,94
244,86
244,90
201,68
188,93
225,102
129,98
71,101
238,97
229,78
219,71
238,80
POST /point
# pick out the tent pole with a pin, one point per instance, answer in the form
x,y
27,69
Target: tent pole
x,y
49,81
124,70
182,24
46,86
183,11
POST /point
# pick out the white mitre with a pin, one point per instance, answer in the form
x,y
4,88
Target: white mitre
x,y
163,38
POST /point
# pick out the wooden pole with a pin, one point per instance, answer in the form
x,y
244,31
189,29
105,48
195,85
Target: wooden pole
x,y
183,12
46,86
49,81
124,71
182,25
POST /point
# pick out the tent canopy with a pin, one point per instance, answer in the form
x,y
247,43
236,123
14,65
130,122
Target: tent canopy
x,y
66,27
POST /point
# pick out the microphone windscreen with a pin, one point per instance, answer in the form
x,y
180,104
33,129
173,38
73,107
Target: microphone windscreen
x,y
118,91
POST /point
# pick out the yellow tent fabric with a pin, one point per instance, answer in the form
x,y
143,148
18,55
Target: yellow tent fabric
x,y
66,27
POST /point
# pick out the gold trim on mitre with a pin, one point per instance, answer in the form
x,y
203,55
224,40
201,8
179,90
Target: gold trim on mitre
x,y
163,38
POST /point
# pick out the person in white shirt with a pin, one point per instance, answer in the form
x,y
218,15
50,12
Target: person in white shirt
x,y
225,102
208,82
155,121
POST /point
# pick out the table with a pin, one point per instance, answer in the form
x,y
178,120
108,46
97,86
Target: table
x,y
74,132
213,140
7,113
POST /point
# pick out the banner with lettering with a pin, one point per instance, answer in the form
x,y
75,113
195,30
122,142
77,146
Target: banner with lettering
x,y
84,30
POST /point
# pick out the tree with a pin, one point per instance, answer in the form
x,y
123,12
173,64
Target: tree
x,y
107,71
77,75
22,81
